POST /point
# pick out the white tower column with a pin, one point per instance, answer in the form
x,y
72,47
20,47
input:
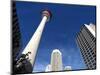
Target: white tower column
x,y
33,44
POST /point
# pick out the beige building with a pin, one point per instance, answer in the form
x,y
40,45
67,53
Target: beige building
x,y
56,60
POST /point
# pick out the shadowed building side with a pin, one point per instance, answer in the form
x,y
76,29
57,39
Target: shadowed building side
x,y
16,35
25,66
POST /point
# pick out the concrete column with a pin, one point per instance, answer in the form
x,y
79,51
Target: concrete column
x,y
33,44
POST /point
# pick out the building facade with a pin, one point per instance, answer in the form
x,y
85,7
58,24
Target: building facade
x,y
16,35
48,68
56,60
86,41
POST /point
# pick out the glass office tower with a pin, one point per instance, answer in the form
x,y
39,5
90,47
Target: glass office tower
x,y
86,40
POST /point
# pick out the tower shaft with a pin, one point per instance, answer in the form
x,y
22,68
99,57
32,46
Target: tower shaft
x,y
33,44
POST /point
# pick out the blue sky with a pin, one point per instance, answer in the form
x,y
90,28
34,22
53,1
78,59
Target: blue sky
x,y
59,33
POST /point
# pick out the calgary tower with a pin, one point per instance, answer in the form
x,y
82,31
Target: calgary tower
x,y
32,46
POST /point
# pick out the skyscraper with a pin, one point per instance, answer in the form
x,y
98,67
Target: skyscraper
x,y
86,40
56,60
16,35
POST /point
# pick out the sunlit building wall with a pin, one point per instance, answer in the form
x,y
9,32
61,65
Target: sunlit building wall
x,y
56,60
48,68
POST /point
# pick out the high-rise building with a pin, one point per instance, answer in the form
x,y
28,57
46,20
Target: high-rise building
x,y
48,68
16,35
16,44
86,40
56,60
68,68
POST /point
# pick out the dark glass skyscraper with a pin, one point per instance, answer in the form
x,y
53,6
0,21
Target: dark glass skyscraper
x,y
86,40
16,35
